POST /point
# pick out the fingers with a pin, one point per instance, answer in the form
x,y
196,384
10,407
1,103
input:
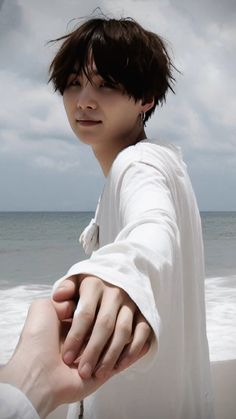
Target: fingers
x,y
120,354
83,320
67,290
64,309
142,336
108,333
120,338
64,297
131,361
102,331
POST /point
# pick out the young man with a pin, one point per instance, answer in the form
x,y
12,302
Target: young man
x,y
144,281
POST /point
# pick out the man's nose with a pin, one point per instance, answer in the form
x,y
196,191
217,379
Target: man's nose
x,y
85,98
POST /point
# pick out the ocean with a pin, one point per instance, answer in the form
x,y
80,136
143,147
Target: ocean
x,y
36,248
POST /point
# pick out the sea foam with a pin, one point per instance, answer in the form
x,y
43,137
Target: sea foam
x,y
14,305
220,314
221,317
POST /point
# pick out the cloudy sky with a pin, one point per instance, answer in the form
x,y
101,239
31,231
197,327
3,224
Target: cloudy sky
x,y
44,167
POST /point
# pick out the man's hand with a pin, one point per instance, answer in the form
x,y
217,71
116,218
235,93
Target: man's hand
x,y
108,331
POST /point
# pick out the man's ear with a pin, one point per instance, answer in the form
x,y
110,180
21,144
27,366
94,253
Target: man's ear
x,y
147,105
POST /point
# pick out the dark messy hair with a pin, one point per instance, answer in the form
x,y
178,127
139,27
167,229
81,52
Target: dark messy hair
x,y
124,53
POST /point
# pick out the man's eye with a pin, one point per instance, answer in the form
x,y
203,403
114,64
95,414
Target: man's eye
x,y
74,82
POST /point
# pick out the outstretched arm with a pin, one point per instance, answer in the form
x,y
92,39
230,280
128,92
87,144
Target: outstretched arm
x,y
122,286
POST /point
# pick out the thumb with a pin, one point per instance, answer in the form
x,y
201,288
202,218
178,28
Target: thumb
x,y
41,324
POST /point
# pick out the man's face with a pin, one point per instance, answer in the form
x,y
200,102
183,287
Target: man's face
x,y
99,113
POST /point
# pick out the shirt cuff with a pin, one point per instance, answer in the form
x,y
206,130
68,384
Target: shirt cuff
x,y
14,404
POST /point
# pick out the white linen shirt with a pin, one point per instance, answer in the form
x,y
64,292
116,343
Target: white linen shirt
x,y
14,404
146,238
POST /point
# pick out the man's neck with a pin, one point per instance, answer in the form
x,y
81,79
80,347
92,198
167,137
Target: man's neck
x,y
106,155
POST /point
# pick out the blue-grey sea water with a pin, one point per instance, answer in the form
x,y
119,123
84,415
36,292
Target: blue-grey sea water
x,y
37,248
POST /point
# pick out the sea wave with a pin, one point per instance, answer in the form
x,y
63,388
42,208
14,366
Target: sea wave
x,y
14,305
221,317
220,314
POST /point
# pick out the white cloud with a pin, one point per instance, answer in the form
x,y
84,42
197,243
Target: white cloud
x,y
34,133
45,162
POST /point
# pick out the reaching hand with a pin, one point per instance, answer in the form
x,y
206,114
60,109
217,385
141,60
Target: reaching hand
x,y
37,368
108,331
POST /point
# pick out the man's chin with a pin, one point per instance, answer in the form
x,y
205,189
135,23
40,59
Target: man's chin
x,y
88,140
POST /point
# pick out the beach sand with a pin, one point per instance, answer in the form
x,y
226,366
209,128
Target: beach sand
x,y
224,385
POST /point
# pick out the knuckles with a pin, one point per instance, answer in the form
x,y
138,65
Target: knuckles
x,y
106,322
86,315
89,279
125,332
73,338
111,291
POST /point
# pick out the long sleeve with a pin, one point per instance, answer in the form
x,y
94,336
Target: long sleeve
x,y
14,404
146,239
140,259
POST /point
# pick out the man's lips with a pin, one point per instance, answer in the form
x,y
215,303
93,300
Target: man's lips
x,y
88,122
